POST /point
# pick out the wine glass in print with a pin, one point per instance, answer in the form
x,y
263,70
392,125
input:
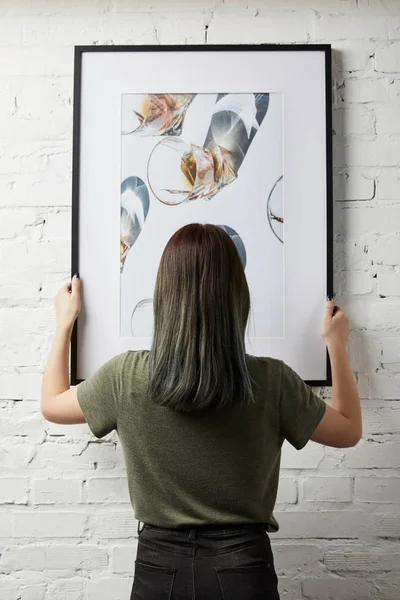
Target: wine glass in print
x,y
275,209
179,171
134,209
237,240
154,114
142,318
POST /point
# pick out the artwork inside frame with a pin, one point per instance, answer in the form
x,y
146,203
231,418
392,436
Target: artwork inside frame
x,y
153,153
199,157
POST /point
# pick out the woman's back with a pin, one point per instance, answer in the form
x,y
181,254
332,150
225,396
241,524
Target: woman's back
x,y
208,466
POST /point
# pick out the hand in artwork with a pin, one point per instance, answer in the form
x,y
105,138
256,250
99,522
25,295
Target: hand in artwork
x,y
68,304
335,326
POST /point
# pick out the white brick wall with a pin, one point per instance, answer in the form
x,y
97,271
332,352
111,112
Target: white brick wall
x,y
339,509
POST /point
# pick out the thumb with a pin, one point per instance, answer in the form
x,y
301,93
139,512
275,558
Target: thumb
x,y
329,306
75,285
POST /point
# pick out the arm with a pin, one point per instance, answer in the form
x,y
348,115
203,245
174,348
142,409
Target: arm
x,y
341,426
59,402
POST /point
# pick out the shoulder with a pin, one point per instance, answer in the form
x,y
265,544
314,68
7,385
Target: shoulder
x,y
134,360
265,363
126,362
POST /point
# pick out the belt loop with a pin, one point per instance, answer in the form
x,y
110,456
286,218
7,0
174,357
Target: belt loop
x,y
139,530
192,534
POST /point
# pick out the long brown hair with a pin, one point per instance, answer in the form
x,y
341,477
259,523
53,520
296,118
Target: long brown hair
x,y
201,307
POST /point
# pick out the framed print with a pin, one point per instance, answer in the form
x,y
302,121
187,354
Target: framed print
x,y
238,136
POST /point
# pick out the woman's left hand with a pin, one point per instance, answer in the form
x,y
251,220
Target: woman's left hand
x,y
68,304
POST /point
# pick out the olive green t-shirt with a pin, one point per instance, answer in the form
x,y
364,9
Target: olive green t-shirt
x,y
216,466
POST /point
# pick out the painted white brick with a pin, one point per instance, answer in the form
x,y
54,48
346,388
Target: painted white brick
x,y
386,250
26,224
356,222
362,383
381,420
287,491
356,120
70,589
394,28
321,524
57,491
14,490
377,489
53,557
223,29
154,6
308,458
29,425
107,489
173,29
329,28
356,152
352,56
20,386
351,558
366,90
36,61
6,525
32,591
389,587
390,349
350,588
389,284
49,524
289,589
384,314
354,184
329,489
15,456
116,524
123,558
387,58
385,525
389,150
350,255
387,120
389,184
357,282
296,557
9,587
373,455
384,385
364,352
112,587
73,456
58,225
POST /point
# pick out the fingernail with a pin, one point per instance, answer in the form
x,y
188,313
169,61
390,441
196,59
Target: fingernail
x,y
329,298
77,275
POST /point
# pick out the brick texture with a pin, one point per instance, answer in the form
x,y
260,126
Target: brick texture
x,y
66,527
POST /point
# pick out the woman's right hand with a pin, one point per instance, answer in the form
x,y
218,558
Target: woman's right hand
x,y
335,326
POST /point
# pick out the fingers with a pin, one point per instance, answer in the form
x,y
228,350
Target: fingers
x,y
66,288
329,307
76,285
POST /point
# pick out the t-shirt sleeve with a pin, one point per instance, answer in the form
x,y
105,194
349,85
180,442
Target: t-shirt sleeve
x,y
301,409
98,397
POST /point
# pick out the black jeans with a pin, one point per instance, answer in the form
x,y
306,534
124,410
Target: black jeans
x,y
205,563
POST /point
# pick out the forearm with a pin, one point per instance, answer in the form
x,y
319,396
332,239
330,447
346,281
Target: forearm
x,y
345,399
56,373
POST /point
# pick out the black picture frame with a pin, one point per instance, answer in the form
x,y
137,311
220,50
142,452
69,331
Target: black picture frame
x,y
80,50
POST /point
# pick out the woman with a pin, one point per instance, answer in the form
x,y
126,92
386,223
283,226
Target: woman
x,y
202,423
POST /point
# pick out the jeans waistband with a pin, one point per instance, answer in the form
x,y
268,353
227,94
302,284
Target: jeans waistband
x,y
220,528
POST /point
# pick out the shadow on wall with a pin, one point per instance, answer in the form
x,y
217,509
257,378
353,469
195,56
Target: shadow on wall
x,y
353,190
